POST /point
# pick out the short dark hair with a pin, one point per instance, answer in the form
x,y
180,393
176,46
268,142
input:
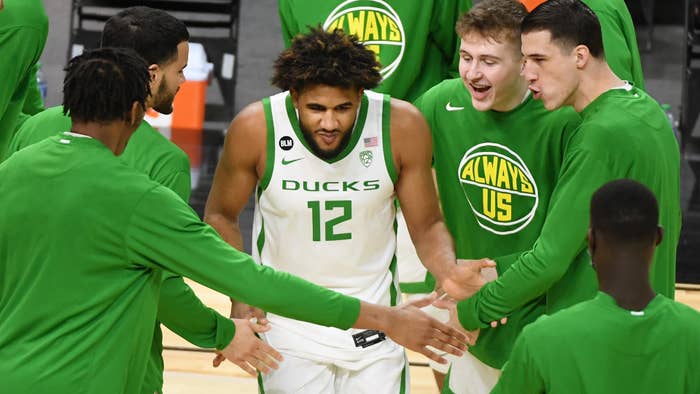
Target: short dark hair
x,y
496,19
626,212
570,22
152,33
326,58
101,85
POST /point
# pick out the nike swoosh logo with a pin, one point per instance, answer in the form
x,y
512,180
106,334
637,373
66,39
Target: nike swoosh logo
x,y
285,161
450,108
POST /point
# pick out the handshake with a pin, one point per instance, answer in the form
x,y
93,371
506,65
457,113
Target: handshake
x,y
406,324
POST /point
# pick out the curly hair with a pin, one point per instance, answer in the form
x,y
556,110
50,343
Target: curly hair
x,y
326,58
101,85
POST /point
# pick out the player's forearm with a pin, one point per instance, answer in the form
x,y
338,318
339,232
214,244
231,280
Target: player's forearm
x,y
529,277
228,230
372,317
227,227
435,249
182,312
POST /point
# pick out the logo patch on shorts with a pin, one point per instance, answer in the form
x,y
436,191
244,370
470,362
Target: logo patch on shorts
x,y
376,25
499,188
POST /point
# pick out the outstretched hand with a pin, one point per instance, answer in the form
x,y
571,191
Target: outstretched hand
x,y
466,278
248,351
415,330
450,305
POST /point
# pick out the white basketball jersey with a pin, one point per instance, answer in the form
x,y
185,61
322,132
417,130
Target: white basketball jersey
x,y
331,222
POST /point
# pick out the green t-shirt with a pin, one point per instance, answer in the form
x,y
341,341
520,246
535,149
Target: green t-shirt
x,y
179,308
619,39
83,251
623,134
415,40
596,347
495,174
23,30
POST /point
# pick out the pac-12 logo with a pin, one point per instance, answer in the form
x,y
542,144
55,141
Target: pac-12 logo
x,y
499,187
376,25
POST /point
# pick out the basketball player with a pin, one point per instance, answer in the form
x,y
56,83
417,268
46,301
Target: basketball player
x,y
619,37
23,30
161,39
497,154
628,339
416,47
326,158
87,238
623,133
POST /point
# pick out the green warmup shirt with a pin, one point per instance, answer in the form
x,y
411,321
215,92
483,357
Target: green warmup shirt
x,y
495,174
147,151
23,30
414,40
596,347
179,308
624,133
619,39
81,259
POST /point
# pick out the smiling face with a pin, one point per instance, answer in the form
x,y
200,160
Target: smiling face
x,y
490,70
550,70
327,116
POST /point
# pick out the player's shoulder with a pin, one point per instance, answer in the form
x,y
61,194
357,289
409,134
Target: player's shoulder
x,y
564,114
407,121
251,120
46,123
247,133
686,313
617,117
148,141
566,320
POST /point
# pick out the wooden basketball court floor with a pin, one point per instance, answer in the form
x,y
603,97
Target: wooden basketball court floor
x,y
189,370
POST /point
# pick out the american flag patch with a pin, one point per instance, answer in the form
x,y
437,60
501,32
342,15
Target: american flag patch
x,y
370,142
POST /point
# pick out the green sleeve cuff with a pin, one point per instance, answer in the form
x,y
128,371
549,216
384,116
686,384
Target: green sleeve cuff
x,y
225,331
468,312
351,312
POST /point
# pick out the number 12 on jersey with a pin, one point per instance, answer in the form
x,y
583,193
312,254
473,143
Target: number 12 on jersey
x,y
329,232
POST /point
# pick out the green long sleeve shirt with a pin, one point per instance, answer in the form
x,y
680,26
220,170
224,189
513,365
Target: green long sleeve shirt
x,y
24,27
596,347
623,134
179,309
93,236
